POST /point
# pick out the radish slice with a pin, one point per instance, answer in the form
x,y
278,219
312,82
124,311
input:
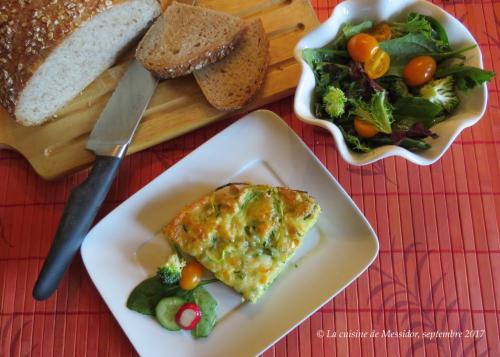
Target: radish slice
x,y
188,316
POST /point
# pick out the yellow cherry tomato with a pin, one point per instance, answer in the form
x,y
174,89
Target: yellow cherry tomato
x,y
378,64
381,32
364,129
361,47
191,275
419,70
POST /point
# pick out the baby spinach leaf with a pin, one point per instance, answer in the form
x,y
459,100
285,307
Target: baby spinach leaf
x,y
465,77
416,107
147,294
208,307
403,49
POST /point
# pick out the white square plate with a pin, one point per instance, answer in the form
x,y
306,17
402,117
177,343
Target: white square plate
x,y
124,248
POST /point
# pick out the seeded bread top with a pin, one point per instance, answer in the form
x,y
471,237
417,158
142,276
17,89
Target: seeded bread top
x,y
30,31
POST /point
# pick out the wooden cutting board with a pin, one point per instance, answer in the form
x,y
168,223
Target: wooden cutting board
x,y
178,106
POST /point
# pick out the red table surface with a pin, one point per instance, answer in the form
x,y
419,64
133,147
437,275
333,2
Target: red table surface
x,y
438,269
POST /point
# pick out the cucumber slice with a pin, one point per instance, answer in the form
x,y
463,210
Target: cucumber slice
x,y
166,310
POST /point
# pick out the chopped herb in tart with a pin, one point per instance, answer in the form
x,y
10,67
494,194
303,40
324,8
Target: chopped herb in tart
x,y
388,83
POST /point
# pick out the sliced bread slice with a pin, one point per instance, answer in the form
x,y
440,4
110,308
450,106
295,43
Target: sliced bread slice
x,y
186,38
233,82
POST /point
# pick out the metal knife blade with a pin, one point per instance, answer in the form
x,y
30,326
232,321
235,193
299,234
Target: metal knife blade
x,y
109,140
118,122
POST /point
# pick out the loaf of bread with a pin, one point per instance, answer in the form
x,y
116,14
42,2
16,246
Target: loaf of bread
x,y
187,38
51,50
232,82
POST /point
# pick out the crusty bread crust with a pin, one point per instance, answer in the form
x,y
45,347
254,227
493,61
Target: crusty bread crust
x,y
164,68
29,32
234,81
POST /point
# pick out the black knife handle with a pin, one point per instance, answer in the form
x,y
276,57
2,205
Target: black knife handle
x,y
79,213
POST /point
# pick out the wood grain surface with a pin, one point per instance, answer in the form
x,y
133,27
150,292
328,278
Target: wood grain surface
x,y
178,106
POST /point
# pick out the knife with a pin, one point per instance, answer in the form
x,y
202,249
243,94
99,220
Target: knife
x,y
109,141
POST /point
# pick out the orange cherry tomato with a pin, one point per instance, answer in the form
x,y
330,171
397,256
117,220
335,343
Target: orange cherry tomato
x,y
419,70
364,128
361,47
381,32
378,64
191,275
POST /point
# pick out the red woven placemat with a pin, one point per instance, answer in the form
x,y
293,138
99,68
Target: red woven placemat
x,y
438,270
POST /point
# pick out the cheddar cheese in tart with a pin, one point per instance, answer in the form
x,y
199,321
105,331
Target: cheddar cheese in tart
x,y
245,233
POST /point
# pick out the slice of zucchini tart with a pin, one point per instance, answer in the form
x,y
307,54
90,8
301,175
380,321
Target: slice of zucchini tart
x,y
245,233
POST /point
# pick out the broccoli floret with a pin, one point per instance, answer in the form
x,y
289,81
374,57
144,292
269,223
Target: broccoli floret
x,y
170,272
441,92
334,100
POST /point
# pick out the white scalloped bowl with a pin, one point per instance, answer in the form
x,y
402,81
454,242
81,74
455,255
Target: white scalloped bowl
x,y
470,110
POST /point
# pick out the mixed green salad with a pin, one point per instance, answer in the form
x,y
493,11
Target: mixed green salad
x,y
389,83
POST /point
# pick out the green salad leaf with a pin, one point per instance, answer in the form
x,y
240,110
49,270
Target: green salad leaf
x,y
377,112
465,77
148,293
395,86
354,142
416,106
208,307
315,56
425,25
420,109
407,143
415,23
414,144
347,31
403,49
438,31
458,53
405,122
